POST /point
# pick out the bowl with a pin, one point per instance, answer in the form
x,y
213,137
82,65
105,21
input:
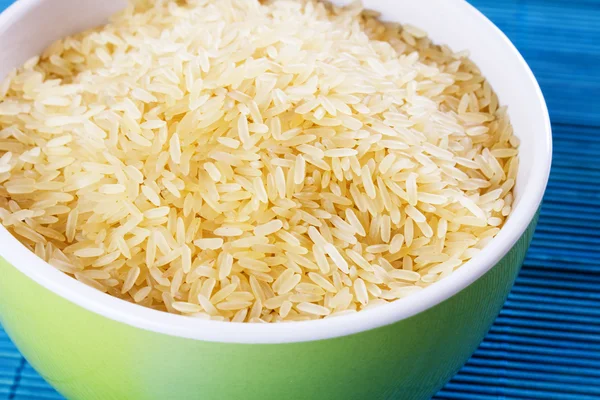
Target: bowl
x,y
89,345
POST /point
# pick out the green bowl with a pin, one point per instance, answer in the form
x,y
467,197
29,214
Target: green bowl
x,y
91,346
88,356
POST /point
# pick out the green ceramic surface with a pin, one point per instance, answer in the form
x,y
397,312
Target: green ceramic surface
x,y
86,356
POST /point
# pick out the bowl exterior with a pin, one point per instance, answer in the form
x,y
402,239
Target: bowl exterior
x,y
89,357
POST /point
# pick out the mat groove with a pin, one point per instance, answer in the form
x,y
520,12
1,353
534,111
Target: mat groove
x,y
546,342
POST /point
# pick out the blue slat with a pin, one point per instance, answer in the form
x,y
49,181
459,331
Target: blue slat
x,y
546,342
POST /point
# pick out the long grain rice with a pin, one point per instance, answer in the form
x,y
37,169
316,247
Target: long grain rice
x,y
254,161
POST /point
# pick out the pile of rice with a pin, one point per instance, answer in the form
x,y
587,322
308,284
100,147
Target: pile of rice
x,y
253,161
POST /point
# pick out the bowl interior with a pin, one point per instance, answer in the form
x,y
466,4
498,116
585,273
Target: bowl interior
x,y
25,31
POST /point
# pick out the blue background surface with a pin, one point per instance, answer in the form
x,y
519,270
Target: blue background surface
x,y
546,342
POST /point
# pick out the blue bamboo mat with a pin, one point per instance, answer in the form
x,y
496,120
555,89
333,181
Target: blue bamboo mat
x,y
546,342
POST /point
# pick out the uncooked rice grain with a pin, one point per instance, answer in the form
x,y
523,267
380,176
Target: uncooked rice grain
x,y
254,161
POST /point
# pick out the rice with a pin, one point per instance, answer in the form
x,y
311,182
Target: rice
x,y
250,161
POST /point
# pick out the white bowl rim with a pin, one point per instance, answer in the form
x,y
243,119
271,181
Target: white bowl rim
x,y
244,333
